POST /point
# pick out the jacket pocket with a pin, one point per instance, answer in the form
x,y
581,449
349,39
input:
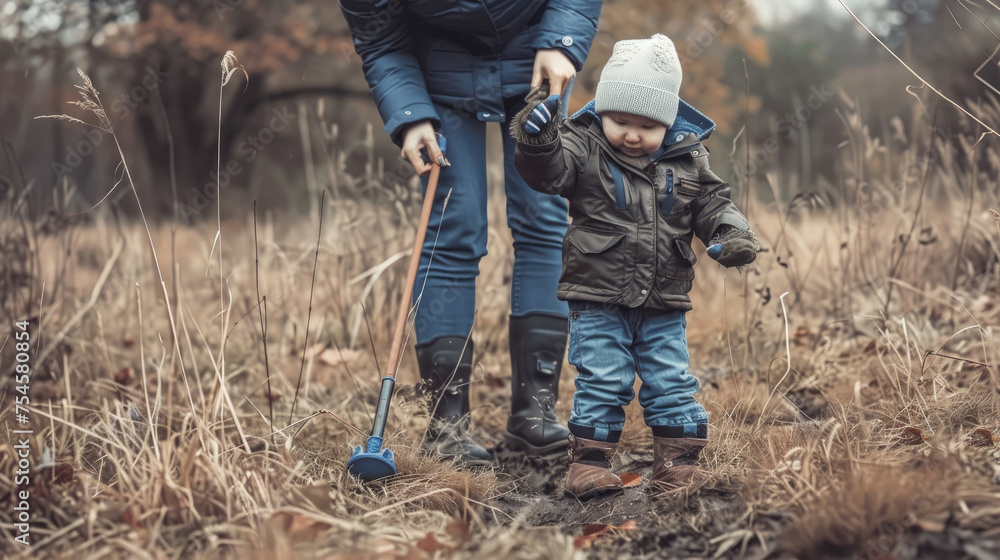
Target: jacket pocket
x,y
689,188
685,251
594,260
675,273
686,191
594,242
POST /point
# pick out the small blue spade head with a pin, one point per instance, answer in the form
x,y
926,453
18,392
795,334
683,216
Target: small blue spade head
x,y
373,463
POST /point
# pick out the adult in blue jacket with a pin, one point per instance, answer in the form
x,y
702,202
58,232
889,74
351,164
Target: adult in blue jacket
x,y
451,67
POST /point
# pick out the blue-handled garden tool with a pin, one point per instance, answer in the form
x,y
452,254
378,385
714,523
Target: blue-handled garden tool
x,y
374,462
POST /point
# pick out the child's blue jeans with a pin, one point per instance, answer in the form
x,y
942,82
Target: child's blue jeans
x,y
609,344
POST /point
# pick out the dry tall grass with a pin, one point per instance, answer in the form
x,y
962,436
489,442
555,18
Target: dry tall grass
x,y
882,424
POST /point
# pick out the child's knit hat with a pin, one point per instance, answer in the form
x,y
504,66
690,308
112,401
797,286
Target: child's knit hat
x,y
642,77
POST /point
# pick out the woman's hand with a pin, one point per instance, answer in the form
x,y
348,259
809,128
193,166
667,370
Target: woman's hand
x,y
421,136
552,65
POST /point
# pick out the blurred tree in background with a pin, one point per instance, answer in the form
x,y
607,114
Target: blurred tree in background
x,y
825,50
142,53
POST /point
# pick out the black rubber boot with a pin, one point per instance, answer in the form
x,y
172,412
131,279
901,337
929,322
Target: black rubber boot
x,y
445,366
537,346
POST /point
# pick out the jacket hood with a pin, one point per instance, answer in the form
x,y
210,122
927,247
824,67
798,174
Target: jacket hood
x,y
689,120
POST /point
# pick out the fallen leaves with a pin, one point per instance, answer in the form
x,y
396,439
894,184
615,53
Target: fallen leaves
x,y
983,437
803,336
333,357
594,531
125,376
980,437
296,526
630,480
913,436
132,517
430,544
50,476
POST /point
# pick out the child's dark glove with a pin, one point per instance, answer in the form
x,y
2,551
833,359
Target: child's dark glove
x,y
534,123
541,115
731,246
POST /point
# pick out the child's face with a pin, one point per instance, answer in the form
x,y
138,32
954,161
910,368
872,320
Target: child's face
x,y
632,135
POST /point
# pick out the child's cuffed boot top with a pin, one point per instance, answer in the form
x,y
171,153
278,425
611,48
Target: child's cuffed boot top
x,y
674,460
590,472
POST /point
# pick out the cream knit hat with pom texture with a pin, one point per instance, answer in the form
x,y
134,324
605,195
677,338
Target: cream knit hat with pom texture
x,y
642,77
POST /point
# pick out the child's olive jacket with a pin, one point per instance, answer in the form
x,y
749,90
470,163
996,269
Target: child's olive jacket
x,y
630,240
466,56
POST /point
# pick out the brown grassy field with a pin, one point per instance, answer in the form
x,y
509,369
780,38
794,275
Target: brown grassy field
x,y
851,376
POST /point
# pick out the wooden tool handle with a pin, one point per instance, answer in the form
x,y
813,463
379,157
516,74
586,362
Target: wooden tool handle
x,y
411,275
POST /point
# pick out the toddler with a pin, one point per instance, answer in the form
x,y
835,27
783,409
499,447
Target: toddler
x,y
632,166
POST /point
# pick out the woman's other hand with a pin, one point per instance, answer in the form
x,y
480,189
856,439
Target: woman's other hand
x,y
420,136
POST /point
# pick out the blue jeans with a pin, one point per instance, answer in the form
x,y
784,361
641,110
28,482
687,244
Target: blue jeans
x,y
609,344
537,222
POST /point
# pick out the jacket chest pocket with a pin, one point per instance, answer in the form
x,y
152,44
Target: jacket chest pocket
x,y
686,189
682,189
689,187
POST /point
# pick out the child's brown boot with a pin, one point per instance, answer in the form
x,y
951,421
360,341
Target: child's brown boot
x,y
674,460
590,472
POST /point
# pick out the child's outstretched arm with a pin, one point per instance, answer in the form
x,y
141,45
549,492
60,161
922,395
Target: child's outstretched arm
x,y
547,160
719,223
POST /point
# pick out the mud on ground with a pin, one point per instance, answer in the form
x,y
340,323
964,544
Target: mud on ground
x,y
530,491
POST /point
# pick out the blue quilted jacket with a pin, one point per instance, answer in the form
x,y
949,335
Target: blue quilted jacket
x,y
466,55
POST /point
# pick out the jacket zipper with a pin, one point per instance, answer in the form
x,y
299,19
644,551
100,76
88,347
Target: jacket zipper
x,y
667,202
